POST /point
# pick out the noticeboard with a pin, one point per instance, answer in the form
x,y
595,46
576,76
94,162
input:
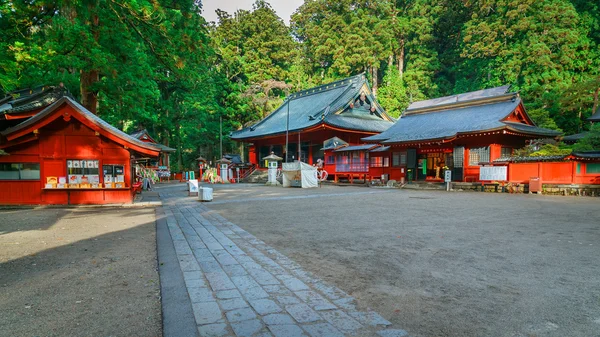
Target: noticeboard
x,y
193,186
493,173
447,176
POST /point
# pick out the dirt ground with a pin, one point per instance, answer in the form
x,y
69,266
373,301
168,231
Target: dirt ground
x,y
79,272
440,263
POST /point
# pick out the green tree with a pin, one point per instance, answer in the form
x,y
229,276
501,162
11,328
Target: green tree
x,y
538,46
591,141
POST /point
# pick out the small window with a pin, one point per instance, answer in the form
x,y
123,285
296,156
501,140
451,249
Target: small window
x,y
506,152
592,168
386,161
330,160
19,171
399,159
113,173
479,155
377,162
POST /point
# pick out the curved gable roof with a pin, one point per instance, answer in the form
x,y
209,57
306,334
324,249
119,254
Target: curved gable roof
x,y
85,116
446,118
323,104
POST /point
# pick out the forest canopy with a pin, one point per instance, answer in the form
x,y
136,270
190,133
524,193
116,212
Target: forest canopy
x,y
159,65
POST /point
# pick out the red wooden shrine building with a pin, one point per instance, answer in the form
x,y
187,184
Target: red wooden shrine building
x,y
345,109
60,153
460,132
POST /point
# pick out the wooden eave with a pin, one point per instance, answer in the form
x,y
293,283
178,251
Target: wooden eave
x,y
320,126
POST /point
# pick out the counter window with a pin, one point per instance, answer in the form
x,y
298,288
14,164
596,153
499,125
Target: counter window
x,y
83,171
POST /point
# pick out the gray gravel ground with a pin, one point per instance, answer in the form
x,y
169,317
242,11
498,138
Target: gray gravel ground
x,y
78,272
439,263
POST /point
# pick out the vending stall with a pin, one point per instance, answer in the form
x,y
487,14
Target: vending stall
x,y
64,154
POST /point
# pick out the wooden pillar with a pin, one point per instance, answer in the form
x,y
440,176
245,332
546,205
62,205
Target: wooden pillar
x,y
310,154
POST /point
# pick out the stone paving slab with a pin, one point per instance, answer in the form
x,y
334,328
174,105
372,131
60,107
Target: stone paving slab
x,y
239,286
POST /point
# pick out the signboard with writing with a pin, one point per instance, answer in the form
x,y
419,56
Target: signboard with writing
x,y
162,167
497,173
447,176
193,186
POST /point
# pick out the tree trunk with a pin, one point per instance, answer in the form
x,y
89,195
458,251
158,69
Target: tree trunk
x,y
375,82
595,108
390,65
89,97
401,59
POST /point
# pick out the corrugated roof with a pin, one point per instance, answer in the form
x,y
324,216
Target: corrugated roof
x,y
85,113
322,104
448,123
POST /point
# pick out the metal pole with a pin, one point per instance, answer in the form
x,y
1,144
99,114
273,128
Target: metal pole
x,y
287,128
221,136
299,148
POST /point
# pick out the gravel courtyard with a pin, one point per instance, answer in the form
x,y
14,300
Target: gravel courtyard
x,y
439,263
79,272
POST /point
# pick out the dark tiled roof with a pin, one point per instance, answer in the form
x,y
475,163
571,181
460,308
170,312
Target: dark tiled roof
x,y
87,114
587,154
381,149
333,143
531,129
329,104
363,147
139,134
574,138
530,159
466,97
31,99
162,147
449,122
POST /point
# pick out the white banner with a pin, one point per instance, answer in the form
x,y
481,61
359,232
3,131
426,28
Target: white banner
x,y
493,173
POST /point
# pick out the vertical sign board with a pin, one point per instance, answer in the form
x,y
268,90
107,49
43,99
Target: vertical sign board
x,y
193,186
447,176
493,173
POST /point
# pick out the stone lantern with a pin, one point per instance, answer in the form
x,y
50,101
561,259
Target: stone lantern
x,y
224,169
272,164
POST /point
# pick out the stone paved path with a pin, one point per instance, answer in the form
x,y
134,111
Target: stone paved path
x,y
240,286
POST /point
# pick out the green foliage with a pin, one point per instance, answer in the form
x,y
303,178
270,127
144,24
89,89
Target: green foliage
x,y
543,150
393,95
591,142
157,64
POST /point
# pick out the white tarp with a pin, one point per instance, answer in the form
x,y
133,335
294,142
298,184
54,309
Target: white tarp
x,y
299,174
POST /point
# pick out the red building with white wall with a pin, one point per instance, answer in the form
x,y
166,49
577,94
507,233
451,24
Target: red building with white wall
x,y
345,109
459,132
58,152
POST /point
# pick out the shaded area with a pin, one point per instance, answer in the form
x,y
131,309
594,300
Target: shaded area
x,y
442,264
79,272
